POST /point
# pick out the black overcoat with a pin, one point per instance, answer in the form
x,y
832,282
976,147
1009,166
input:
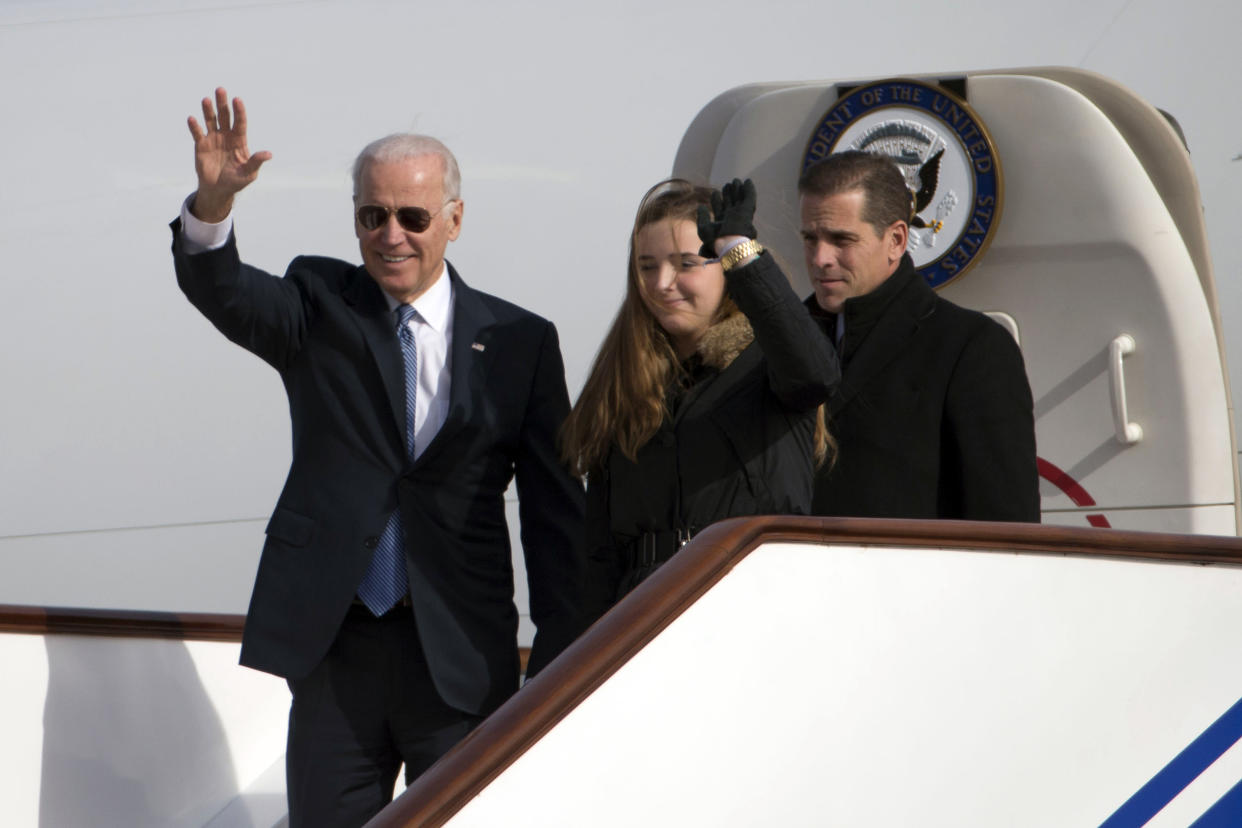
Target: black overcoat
x,y
933,417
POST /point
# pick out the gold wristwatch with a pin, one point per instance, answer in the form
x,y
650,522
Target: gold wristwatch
x,y
745,250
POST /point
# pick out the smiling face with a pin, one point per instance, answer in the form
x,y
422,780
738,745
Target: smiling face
x,y
845,256
404,264
679,287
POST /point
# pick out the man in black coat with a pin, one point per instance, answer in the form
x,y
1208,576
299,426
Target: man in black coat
x,y
933,417
385,589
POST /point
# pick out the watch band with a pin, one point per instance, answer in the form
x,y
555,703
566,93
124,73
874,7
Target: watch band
x,y
745,250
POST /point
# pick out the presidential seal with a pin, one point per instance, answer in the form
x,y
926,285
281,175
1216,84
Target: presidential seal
x,y
948,158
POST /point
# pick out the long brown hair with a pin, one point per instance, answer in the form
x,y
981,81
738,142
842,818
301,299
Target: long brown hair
x,y
623,401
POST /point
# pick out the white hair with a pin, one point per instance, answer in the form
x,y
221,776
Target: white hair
x,y
402,145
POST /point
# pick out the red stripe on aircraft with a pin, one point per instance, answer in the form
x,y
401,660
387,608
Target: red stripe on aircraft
x,y
1072,489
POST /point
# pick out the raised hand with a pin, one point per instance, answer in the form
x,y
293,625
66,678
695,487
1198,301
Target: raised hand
x,y
734,211
221,158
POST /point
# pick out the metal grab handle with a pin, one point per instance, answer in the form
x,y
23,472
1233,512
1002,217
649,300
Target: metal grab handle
x,y
1128,433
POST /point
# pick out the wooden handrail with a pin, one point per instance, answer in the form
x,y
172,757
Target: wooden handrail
x,y
120,623
505,735
116,623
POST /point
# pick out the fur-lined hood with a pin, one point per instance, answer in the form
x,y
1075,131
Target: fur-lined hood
x,y
722,342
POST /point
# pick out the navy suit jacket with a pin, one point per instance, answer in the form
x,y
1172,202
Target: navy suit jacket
x,y
326,328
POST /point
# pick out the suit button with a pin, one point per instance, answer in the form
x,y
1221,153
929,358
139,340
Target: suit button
x,y
371,542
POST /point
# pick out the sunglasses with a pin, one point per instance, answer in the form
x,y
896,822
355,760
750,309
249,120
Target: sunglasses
x,y
413,219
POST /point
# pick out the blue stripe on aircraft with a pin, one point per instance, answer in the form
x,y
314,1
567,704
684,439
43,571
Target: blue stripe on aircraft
x,y
1184,769
1227,813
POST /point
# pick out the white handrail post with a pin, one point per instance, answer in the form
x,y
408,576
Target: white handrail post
x,y
1127,433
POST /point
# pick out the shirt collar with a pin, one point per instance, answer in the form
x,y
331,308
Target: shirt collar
x,y
435,306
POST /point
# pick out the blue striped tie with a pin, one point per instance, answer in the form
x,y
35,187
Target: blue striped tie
x,y
385,582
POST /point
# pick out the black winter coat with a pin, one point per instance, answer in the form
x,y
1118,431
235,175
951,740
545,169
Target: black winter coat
x,y
933,417
739,440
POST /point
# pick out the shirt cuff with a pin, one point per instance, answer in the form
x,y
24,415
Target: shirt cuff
x,y
730,242
200,236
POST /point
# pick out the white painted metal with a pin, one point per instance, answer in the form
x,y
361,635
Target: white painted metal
x,y
1210,520
138,732
894,687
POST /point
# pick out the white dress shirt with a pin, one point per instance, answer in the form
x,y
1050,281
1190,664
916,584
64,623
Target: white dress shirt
x,y
432,325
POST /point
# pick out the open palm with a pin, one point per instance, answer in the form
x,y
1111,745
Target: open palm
x,y
222,158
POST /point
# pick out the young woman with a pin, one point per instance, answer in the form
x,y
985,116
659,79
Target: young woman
x,y
704,401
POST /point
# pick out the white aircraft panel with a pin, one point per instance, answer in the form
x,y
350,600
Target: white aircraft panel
x,y
135,732
885,686
1199,520
1078,270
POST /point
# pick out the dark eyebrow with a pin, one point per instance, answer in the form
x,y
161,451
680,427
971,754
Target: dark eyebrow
x,y
830,234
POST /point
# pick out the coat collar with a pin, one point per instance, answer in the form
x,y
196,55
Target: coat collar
x,y
722,342
723,345
863,312
891,320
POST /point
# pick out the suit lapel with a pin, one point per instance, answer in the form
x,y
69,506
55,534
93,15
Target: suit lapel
x,y
472,352
379,328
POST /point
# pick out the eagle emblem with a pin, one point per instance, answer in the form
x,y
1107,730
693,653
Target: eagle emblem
x,y
917,148
945,154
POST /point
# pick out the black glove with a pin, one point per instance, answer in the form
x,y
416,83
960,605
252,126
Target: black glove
x,y
734,209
